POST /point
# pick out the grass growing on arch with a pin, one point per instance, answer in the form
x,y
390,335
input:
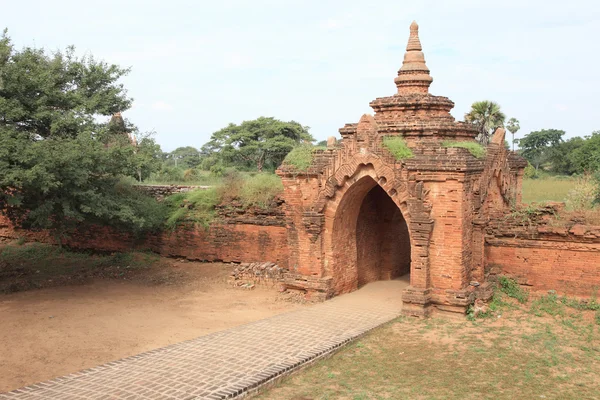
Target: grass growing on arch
x,y
302,156
476,150
398,147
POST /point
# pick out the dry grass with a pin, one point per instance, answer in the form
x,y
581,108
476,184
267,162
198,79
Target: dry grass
x,y
547,189
518,353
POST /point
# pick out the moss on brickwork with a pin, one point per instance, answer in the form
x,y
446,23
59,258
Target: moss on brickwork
x,y
476,150
398,147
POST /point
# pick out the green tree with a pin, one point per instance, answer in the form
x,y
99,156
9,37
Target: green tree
x,y
562,157
185,157
539,146
147,155
586,157
56,95
513,127
59,166
263,142
486,116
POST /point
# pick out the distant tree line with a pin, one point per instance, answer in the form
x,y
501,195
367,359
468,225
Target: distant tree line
x,y
546,149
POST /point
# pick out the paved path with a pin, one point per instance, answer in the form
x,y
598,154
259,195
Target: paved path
x,y
230,363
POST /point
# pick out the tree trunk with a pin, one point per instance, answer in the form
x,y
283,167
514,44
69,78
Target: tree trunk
x,y
260,162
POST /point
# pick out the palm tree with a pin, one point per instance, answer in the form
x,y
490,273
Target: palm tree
x,y
486,116
513,126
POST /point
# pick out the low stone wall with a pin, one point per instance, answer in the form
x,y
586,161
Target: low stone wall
x,y
545,257
237,235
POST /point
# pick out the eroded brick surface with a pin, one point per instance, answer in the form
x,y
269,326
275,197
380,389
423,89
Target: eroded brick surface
x,y
230,363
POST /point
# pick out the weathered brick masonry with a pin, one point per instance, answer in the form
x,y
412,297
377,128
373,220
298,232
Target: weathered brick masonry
x,y
545,257
358,214
237,235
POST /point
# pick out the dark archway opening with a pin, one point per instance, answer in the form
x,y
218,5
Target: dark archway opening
x,y
369,238
382,239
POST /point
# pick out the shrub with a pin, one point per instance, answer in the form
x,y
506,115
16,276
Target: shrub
x,y
476,149
261,189
530,172
166,175
138,212
190,174
584,195
300,157
398,147
230,187
197,206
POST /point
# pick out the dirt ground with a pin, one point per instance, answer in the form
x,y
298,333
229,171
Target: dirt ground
x,y
56,331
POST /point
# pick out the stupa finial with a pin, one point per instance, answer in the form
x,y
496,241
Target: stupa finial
x,y
414,76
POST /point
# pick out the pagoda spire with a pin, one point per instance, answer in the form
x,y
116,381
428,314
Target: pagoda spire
x,y
413,76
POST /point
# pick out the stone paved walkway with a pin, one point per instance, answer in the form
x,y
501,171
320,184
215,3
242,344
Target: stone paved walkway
x,y
230,363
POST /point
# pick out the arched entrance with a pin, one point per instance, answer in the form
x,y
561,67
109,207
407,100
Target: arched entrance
x,y
369,237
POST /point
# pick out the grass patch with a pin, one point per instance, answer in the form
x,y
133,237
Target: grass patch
x,y
547,189
476,150
397,146
260,190
197,206
512,289
36,265
301,157
515,356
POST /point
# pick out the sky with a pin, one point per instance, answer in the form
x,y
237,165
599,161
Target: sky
x,y
197,66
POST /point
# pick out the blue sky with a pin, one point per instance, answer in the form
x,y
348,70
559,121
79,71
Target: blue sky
x,y
198,65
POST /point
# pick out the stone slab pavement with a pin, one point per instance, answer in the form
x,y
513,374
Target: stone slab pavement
x,y
231,363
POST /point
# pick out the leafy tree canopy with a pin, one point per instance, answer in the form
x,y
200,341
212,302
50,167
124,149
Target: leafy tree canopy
x,y
57,94
586,157
486,116
58,165
539,146
260,143
561,158
184,157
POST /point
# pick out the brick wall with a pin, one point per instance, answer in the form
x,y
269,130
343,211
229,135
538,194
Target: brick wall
x,y
547,258
236,236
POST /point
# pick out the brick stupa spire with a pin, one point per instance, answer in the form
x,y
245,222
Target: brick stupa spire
x,y
414,76
413,112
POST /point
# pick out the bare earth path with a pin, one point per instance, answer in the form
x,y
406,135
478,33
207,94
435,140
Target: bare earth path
x,y
59,330
228,363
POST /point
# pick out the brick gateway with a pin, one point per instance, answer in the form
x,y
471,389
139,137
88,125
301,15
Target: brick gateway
x,y
358,214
